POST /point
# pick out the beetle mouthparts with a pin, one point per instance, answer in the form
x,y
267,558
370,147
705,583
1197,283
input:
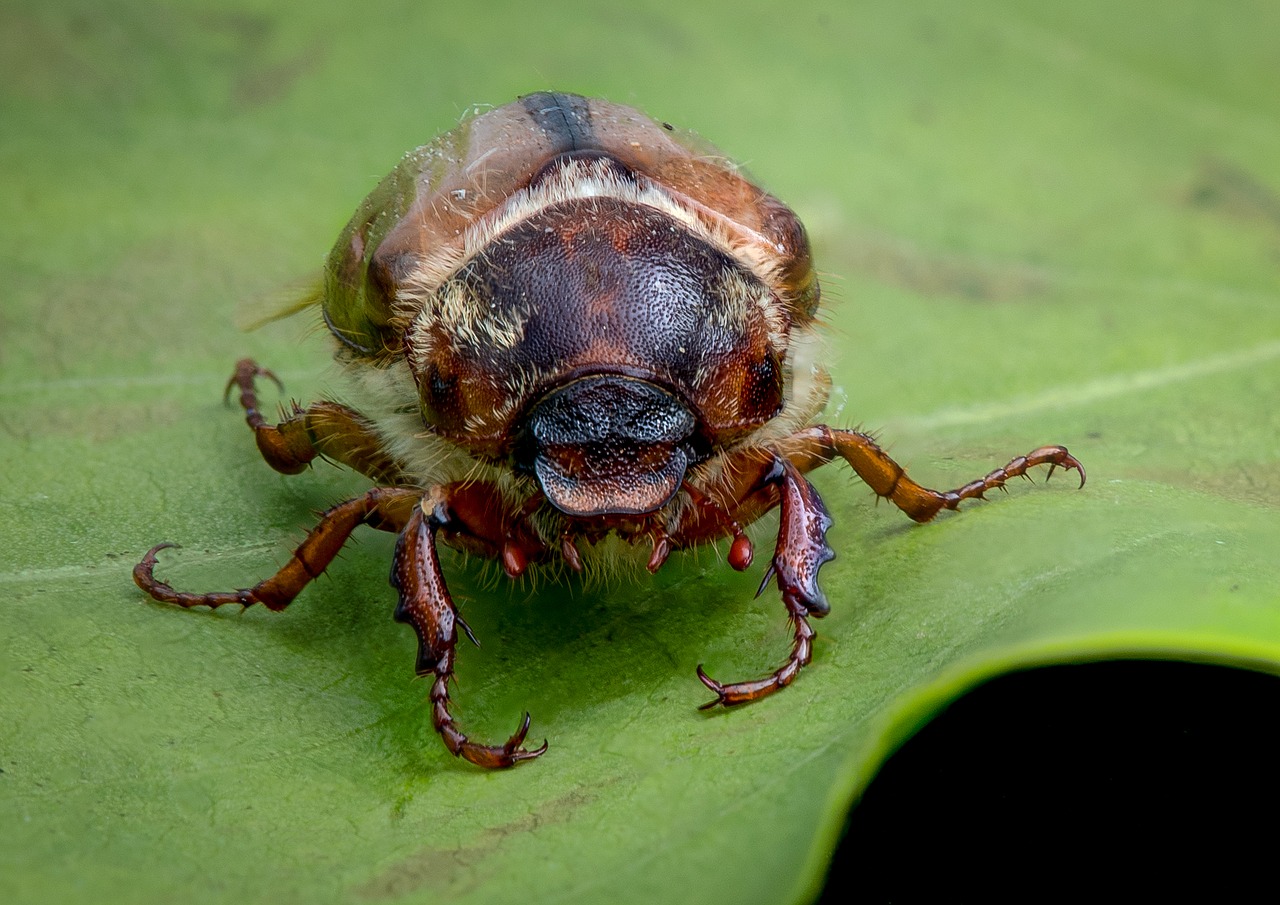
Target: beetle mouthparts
x,y
610,445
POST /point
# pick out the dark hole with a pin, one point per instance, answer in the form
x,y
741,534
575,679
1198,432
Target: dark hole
x,y
1086,779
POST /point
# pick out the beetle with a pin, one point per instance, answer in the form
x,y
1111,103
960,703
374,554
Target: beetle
x,y
559,321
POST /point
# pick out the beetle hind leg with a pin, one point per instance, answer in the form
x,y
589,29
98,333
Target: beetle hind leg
x,y
889,479
426,605
801,551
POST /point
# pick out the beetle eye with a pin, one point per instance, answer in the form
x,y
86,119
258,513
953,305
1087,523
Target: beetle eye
x,y
440,390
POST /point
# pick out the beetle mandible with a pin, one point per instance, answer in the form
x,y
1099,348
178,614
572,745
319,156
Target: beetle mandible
x,y
563,320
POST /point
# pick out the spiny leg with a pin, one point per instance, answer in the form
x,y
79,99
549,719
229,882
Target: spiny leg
x,y
742,486
426,605
800,553
752,481
820,444
386,508
321,429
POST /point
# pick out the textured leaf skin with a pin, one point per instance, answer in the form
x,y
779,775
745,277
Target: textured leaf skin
x,y
1041,224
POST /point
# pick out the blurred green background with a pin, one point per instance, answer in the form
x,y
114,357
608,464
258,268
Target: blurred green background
x,y
1036,223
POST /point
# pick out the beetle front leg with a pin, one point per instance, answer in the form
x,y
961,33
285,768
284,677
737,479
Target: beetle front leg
x,y
426,605
801,551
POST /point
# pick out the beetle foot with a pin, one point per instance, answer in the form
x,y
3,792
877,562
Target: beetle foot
x,y
247,370
144,577
381,507
745,692
802,550
1057,457
489,756
1053,456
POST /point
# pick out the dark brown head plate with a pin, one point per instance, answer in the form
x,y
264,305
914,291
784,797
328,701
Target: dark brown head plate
x,y
590,286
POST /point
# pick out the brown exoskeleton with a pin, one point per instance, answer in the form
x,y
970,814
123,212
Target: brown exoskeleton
x,y
564,320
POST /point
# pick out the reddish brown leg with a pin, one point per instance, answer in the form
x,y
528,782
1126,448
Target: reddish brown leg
x,y
426,605
756,479
820,444
481,524
801,551
386,508
744,488
321,429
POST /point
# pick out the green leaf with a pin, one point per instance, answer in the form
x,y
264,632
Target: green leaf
x,y
1037,224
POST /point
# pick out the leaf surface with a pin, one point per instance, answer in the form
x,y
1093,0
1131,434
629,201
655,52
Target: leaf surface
x,y
1035,225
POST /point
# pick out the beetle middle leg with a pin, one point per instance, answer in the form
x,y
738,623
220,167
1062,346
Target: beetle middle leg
x,y
426,605
321,429
386,508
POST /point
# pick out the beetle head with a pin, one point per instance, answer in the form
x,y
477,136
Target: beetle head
x,y
600,338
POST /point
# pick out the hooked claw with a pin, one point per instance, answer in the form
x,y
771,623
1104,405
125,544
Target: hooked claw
x,y
508,755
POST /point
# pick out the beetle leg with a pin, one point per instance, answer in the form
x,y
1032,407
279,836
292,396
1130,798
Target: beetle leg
x,y
801,551
321,429
743,487
754,479
426,605
480,523
386,508
819,444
